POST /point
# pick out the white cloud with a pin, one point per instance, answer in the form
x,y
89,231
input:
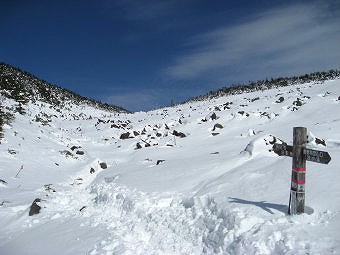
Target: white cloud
x,y
298,36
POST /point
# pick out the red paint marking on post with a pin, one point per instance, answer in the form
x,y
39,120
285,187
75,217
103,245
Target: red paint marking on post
x,y
299,181
299,169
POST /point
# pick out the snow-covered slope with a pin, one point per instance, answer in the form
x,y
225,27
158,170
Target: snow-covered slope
x,y
197,178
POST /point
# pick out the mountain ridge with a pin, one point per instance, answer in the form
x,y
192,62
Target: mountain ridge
x,y
252,86
23,86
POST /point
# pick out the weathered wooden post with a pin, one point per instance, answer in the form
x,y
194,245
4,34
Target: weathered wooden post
x,y
300,155
297,190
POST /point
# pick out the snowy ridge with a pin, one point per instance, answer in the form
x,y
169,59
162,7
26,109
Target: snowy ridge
x,y
199,178
23,87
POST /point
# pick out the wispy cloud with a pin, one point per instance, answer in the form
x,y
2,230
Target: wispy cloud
x,y
299,37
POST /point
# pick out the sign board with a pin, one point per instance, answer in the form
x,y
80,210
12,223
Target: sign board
x,y
316,156
283,149
321,157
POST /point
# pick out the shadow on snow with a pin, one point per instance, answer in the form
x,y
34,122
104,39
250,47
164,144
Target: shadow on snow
x,y
262,204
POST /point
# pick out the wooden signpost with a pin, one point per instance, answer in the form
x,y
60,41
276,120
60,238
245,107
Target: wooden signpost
x,y
300,154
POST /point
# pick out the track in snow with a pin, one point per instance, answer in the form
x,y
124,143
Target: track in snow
x,y
140,223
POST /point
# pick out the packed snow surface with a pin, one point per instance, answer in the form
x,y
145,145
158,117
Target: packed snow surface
x,y
198,178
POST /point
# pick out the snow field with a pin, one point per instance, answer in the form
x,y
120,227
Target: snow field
x,y
221,191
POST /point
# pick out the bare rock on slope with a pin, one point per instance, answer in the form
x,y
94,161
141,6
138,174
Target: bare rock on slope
x,y
125,136
217,125
179,134
103,165
35,207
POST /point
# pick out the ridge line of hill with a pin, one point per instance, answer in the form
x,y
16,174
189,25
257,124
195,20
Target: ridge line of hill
x,y
267,84
23,87
21,83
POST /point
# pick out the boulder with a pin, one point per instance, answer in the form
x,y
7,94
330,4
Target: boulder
x,y
75,147
138,146
115,126
211,116
226,105
80,153
320,141
217,125
243,113
160,161
103,165
179,134
298,102
35,208
125,135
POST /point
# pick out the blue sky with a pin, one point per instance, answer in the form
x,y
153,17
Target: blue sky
x,y
144,54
